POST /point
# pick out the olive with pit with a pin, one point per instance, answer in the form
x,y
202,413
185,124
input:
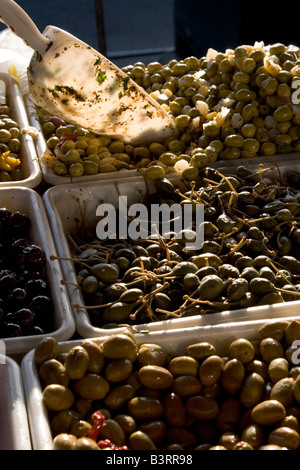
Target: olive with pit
x,y
252,390
183,365
210,370
202,408
77,361
53,372
118,370
57,397
119,347
232,375
174,410
139,440
143,408
242,349
211,287
64,441
156,377
91,387
95,355
151,354
268,412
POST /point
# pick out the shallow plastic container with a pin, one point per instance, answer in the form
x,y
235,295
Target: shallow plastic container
x,y
46,158
175,341
14,426
30,163
68,205
28,201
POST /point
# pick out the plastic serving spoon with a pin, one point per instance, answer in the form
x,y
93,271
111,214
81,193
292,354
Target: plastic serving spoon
x,y
72,80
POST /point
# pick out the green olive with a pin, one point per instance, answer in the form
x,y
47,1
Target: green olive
x,y
174,410
139,440
64,441
183,365
268,412
119,346
156,377
57,397
91,386
242,349
76,363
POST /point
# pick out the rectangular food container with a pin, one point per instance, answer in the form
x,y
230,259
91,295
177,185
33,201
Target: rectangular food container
x,y
174,341
30,163
68,205
27,201
46,158
14,426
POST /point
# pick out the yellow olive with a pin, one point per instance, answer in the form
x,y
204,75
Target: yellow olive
x,y
143,408
151,354
119,347
242,349
91,387
186,385
96,356
201,350
118,370
174,410
57,397
85,443
252,390
156,377
117,397
183,365
113,431
232,375
211,370
46,349
76,363
139,440
64,441
283,391
202,408
285,437
268,412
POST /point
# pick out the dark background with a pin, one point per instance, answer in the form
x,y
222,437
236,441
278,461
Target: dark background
x,y
128,31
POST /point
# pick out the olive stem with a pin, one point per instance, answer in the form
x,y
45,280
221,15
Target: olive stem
x,y
278,272
227,181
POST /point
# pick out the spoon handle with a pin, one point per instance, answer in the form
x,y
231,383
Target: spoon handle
x,y
22,25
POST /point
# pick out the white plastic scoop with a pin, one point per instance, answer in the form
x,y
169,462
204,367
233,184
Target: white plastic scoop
x,y
71,80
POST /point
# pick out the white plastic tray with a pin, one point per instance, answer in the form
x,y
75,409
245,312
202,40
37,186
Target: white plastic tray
x,y
175,342
30,162
65,204
46,158
26,200
14,426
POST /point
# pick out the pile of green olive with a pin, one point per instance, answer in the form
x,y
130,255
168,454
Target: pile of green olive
x,y
250,254
246,399
10,146
238,104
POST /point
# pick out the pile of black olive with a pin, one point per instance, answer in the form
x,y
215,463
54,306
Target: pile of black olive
x,y
25,305
250,254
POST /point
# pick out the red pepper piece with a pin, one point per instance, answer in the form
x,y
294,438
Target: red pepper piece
x,y
98,423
